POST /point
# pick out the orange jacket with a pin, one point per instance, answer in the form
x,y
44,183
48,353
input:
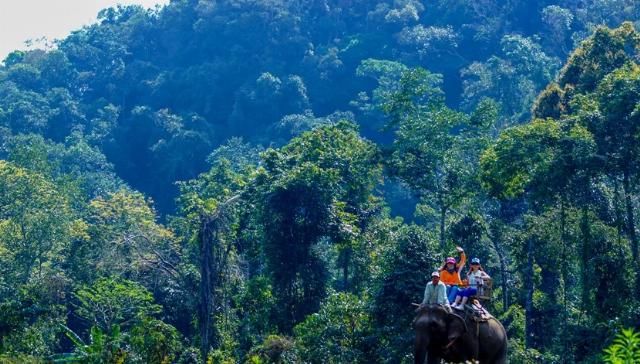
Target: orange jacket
x,y
453,278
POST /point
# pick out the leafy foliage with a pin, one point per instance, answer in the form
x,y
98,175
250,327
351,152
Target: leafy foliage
x,y
338,332
303,166
110,302
625,348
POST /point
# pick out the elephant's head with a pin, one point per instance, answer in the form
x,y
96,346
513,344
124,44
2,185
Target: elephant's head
x,y
437,328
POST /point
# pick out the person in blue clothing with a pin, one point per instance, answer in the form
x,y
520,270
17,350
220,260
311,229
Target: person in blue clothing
x,y
477,277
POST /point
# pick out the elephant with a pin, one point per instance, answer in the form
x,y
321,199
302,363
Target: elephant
x,y
441,334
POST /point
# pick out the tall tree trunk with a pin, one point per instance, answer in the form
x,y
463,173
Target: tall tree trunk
x,y
207,282
505,281
346,260
495,238
212,258
586,244
631,224
618,209
565,275
443,218
529,287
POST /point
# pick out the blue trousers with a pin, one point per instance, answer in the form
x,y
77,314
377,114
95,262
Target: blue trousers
x,y
452,292
468,292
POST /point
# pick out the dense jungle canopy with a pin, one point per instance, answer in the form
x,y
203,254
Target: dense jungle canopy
x,y
273,181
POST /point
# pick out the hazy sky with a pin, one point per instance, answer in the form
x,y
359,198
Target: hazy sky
x,y
31,19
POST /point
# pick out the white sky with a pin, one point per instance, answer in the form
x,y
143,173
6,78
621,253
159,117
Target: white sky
x,y
21,20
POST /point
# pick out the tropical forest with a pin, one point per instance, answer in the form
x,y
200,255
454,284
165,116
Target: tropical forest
x,y
292,181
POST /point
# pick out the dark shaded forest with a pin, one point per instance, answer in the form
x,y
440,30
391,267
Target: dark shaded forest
x,y
271,181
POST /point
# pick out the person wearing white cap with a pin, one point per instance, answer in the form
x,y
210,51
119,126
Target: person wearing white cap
x,y
435,292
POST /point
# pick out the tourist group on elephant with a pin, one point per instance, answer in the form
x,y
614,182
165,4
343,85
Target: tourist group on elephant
x,y
451,322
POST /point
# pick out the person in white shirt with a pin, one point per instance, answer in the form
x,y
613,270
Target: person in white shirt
x,y
435,292
477,277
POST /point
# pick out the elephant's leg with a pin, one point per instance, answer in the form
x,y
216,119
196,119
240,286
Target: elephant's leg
x,y
432,359
501,356
496,341
420,351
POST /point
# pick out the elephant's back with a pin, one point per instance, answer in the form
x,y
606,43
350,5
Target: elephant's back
x,y
498,327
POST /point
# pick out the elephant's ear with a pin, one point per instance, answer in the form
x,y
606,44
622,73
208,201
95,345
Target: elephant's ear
x,y
456,326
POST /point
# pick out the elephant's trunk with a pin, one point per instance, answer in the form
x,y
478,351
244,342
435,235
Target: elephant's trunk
x,y
421,348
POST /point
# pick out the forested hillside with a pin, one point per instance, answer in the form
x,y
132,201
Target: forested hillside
x,y
270,181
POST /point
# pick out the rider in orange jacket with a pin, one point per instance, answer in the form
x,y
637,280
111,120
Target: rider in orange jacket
x,y
450,273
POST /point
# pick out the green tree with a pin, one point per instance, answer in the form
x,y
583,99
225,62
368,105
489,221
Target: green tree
x,y
513,78
338,332
615,130
213,214
406,266
37,227
315,189
274,349
153,341
114,301
125,239
34,240
435,148
596,88
81,170
579,159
